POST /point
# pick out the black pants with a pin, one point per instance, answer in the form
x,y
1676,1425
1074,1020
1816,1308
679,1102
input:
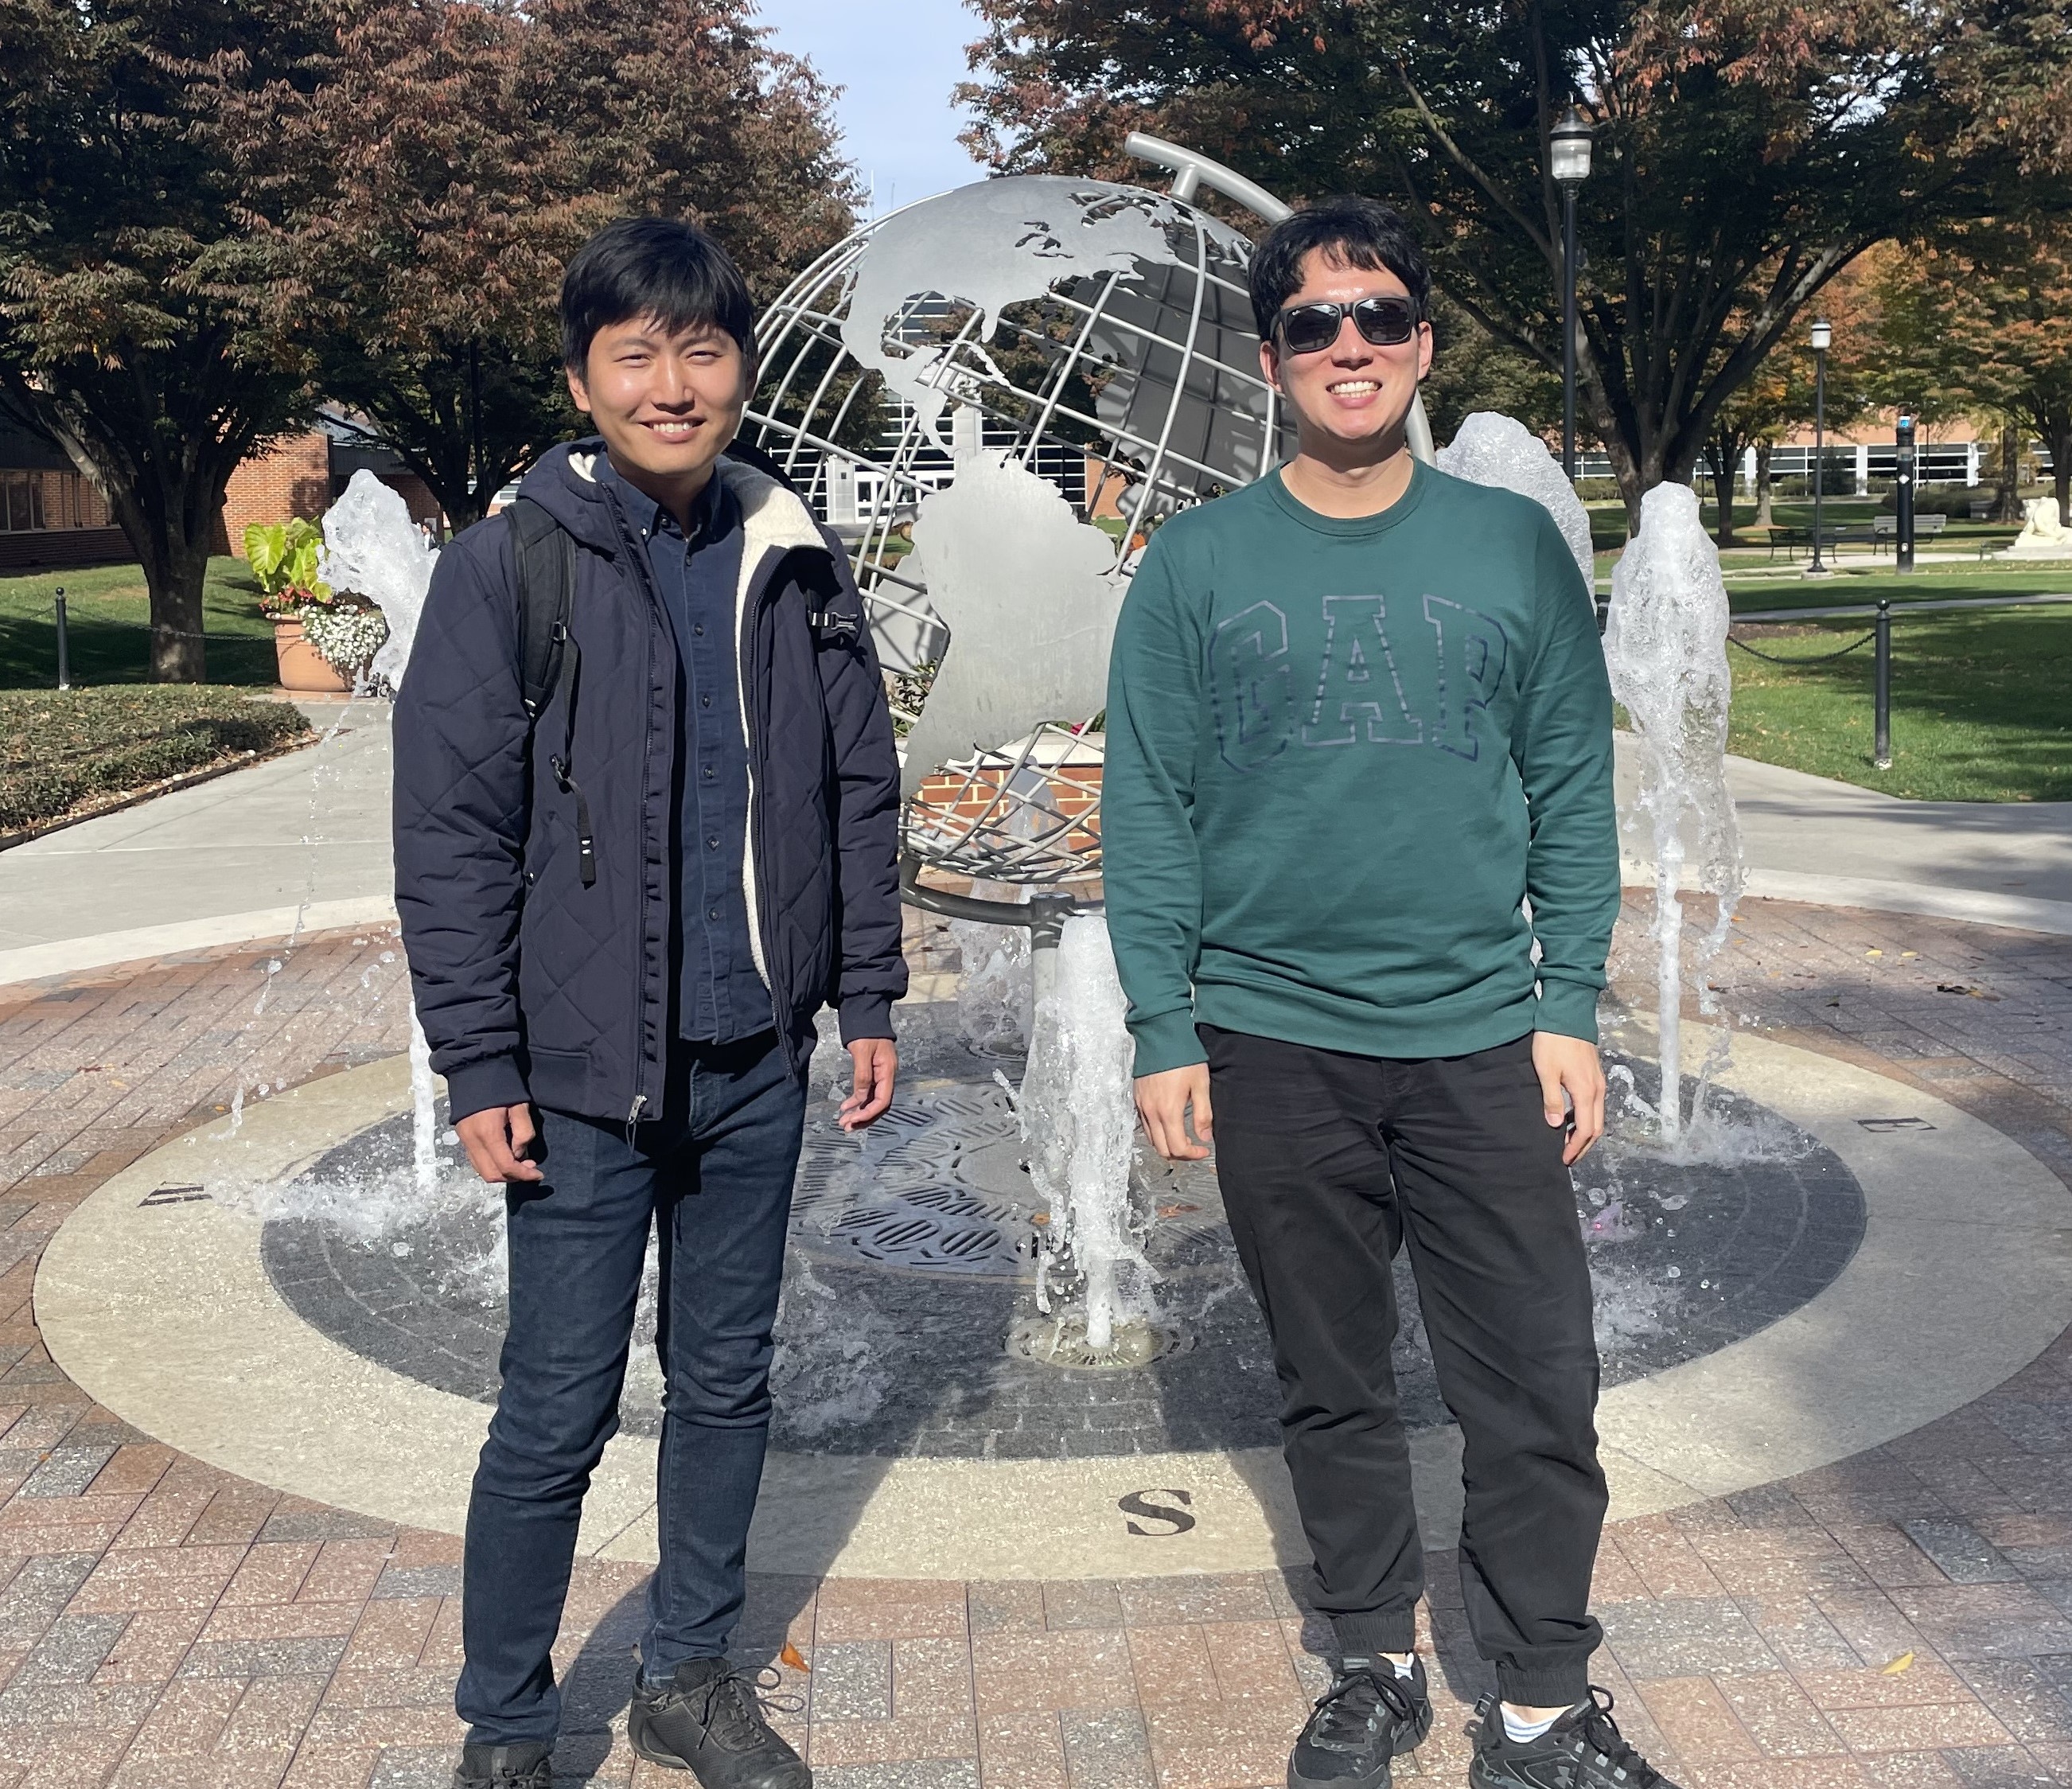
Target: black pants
x,y
1329,1162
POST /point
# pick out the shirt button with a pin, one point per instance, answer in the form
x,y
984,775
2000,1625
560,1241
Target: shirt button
x,y
708,773
697,626
712,913
712,844
705,702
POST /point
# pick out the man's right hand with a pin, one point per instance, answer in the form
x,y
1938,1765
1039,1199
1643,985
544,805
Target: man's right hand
x,y
496,1139
1162,1101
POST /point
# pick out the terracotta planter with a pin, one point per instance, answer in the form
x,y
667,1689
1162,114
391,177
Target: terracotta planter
x,y
302,667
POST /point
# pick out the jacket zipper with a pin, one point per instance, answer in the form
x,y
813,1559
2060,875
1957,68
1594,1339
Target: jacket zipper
x,y
749,686
645,573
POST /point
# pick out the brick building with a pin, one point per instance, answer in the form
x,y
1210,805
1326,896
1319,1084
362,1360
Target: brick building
x,y
52,514
304,475
49,514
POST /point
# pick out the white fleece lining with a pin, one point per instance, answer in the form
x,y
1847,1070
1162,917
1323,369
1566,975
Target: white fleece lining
x,y
772,522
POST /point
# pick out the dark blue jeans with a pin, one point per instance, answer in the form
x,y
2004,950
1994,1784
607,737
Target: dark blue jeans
x,y
714,1174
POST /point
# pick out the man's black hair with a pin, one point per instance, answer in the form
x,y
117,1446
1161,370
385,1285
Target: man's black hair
x,y
658,267
1353,231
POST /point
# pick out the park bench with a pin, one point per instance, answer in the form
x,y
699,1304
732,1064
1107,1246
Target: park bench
x,y
1835,535
1925,528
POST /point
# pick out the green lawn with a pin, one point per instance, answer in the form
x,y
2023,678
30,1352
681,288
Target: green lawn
x,y
108,614
1981,704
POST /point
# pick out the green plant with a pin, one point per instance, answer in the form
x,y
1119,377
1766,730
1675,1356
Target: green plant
x,y
283,557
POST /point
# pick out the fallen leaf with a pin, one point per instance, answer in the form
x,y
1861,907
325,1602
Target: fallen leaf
x,y
791,1656
1176,1210
1041,1219
1898,1665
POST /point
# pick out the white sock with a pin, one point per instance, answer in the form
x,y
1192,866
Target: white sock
x,y
1402,1666
1521,1732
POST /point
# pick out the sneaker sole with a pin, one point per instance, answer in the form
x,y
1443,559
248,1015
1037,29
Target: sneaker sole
x,y
636,1737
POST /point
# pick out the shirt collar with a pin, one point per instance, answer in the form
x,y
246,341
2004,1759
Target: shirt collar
x,y
709,515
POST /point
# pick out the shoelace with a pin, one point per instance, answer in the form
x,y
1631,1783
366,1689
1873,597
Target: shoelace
x,y
1613,1751
732,1705
1344,1710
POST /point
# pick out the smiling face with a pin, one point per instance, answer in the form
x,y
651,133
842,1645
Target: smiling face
x,y
667,403
1349,399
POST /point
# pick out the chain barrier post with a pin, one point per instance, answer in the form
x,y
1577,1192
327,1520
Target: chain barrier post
x,y
1881,741
64,643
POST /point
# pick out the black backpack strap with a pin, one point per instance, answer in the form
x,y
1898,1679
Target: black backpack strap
x,y
544,555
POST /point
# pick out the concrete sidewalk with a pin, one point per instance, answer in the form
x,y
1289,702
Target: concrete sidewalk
x,y
242,857
1809,839
308,830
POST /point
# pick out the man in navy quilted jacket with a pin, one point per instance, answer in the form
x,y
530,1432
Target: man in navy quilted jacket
x,y
621,920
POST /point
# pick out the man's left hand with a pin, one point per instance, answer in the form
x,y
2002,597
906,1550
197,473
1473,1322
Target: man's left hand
x,y
1571,1089
877,1062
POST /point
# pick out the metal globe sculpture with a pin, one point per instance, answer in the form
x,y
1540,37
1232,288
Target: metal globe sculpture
x,y
995,397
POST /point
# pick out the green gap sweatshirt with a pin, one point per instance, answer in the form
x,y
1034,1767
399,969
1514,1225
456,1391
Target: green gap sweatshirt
x,y
1341,755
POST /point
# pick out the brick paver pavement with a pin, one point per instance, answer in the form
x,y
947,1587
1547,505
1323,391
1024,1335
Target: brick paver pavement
x,y
1902,1619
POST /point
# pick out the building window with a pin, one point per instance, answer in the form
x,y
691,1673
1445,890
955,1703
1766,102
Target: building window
x,y
33,500
22,500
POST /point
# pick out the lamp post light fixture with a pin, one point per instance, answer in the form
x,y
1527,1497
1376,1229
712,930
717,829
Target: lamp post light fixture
x,y
1569,160
1823,334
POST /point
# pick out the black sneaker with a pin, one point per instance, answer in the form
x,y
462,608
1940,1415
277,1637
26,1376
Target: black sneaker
x,y
708,1720
1584,1750
523,1766
1366,1717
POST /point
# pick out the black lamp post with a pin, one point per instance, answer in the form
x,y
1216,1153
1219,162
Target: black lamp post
x,y
1823,333
1569,159
1902,497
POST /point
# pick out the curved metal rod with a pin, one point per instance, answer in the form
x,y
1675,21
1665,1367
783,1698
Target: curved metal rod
x,y
1044,914
1193,170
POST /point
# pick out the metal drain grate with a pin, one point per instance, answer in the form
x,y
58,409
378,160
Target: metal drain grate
x,y
1061,1342
944,1188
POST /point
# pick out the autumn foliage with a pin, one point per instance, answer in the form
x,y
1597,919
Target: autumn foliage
x,y
1746,151
214,213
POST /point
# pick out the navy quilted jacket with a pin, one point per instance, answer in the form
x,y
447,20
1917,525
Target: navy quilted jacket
x,y
530,984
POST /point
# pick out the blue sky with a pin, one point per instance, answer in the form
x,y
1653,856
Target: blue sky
x,y
896,61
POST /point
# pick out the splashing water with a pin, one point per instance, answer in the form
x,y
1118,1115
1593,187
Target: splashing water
x,y
373,549
1500,450
424,1145
996,992
1665,647
1080,1122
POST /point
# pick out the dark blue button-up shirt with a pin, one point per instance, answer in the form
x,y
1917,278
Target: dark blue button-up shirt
x,y
720,996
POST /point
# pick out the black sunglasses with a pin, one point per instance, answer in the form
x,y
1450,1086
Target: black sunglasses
x,y
1385,322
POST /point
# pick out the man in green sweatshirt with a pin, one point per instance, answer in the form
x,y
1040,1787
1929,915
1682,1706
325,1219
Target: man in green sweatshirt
x,y
1361,870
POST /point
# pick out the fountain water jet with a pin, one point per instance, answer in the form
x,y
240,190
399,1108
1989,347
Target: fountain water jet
x,y
1079,1119
1665,647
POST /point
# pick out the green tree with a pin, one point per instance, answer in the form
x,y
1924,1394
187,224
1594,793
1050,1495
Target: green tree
x,y
1474,370
421,184
1745,153
1780,396
135,320
1979,319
